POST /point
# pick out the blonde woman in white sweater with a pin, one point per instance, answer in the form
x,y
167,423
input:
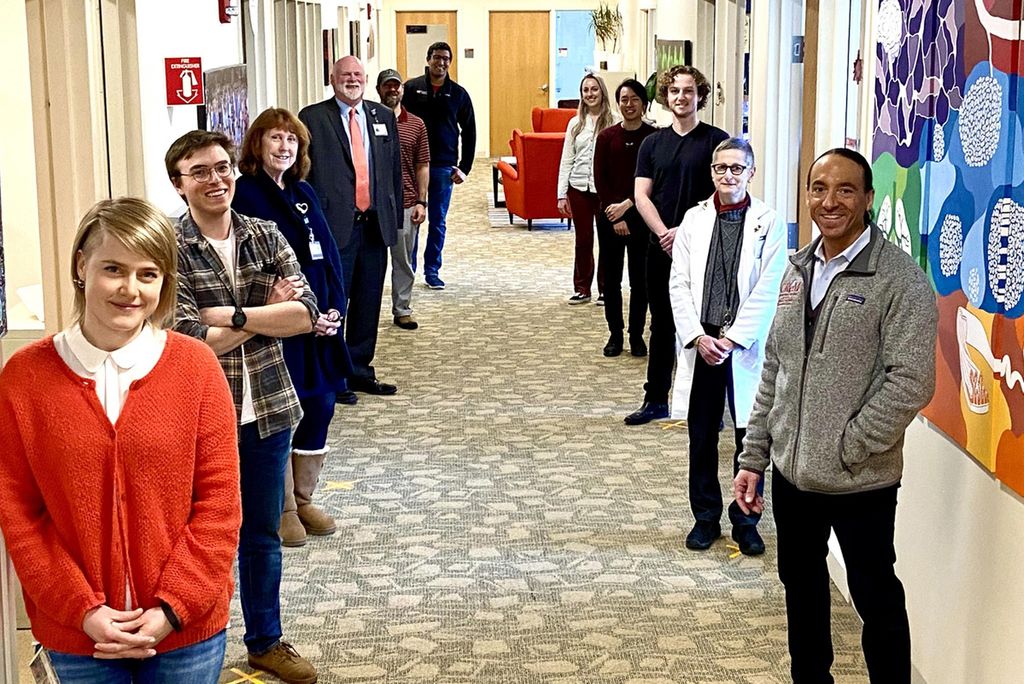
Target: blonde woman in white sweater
x,y
577,195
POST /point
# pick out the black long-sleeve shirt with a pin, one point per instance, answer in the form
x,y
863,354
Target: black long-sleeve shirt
x,y
448,114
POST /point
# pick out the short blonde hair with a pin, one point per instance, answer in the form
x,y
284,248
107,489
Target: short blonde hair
x,y
141,228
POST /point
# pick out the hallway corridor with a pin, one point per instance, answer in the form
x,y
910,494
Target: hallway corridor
x,y
499,523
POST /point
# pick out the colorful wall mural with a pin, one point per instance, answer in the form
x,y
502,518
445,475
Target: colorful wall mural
x,y
948,154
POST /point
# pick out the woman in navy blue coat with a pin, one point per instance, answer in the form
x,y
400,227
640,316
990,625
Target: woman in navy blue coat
x,y
273,163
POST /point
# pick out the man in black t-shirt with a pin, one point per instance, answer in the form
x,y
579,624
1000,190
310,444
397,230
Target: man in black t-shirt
x,y
672,175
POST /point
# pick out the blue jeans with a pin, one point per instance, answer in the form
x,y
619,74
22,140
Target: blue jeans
x,y
263,461
196,664
439,196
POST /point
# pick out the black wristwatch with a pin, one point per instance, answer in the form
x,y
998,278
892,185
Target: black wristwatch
x,y
422,203
238,319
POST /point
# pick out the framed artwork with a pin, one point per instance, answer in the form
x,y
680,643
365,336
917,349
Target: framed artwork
x,y
330,53
227,102
355,38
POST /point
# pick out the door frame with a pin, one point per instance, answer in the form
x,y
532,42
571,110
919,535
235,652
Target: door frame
x,y
402,20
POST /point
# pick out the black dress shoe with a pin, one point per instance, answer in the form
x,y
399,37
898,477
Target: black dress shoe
x,y
347,397
637,346
749,541
646,413
614,346
372,386
703,535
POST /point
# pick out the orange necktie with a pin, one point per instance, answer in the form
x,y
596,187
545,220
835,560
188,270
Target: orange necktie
x,y
359,161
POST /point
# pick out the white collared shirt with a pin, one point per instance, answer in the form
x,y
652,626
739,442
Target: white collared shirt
x,y
825,271
113,372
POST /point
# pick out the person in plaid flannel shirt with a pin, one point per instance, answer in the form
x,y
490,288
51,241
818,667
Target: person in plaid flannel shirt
x,y
240,291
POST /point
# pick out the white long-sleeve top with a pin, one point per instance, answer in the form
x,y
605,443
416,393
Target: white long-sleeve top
x,y
577,165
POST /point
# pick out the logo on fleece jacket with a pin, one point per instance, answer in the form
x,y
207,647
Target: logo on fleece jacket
x,y
791,291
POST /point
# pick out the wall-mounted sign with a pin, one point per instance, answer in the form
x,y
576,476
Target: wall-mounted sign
x,y
184,77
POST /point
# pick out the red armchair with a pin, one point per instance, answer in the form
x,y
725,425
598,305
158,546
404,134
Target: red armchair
x,y
531,188
551,120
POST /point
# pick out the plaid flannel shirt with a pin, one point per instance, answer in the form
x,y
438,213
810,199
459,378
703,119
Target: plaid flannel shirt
x,y
263,256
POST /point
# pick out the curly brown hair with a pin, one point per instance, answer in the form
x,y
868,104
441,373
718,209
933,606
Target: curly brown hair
x,y
669,75
252,146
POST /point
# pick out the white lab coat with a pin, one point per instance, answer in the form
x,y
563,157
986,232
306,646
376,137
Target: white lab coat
x,y
762,264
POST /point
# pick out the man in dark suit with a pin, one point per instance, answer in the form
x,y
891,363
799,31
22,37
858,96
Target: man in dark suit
x,y
360,189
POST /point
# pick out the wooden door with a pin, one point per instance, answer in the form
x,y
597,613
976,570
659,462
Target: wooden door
x,y
519,70
419,23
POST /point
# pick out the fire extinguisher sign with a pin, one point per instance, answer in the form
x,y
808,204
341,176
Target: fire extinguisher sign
x,y
184,77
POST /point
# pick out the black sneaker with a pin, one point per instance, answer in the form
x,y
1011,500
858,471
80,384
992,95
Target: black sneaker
x,y
579,299
748,539
703,535
434,283
600,300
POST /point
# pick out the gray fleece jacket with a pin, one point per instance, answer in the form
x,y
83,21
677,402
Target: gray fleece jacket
x,y
831,417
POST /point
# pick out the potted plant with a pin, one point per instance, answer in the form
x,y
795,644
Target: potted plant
x,y
606,22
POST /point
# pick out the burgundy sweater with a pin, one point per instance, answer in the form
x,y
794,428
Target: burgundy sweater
x,y
615,162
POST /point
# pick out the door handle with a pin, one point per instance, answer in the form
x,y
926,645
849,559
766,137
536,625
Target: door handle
x,y
544,87
719,94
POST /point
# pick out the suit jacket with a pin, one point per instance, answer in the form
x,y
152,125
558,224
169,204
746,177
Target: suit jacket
x,y
333,176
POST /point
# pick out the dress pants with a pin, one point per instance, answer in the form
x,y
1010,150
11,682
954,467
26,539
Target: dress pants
x,y
864,523
662,356
402,275
613,248
585,210
365,260
708,391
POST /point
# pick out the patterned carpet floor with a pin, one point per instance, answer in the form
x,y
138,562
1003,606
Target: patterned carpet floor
x,y
499,523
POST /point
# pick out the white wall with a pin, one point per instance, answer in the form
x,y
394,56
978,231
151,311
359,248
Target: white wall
x,y
186,28
473,29
960,551
17,166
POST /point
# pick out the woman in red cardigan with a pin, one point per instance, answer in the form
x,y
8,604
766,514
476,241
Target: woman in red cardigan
x,y
119,494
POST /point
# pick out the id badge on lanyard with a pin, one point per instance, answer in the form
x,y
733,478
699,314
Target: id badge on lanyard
x,y
316,252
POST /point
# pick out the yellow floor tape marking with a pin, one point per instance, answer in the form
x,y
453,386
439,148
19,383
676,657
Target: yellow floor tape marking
x,y
735,550
333,486
245,677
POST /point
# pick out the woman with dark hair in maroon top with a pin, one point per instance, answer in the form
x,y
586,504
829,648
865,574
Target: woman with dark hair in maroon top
x,y
614,169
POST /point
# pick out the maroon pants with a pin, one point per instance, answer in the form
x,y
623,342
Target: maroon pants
x,y
585,210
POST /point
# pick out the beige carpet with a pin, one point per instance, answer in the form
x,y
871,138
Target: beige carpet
x,y
499,523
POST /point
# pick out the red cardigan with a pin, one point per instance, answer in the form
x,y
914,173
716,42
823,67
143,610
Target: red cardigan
x,y
154,501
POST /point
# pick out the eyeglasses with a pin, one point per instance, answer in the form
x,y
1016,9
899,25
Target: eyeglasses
x,y
720,169
843,193
203,174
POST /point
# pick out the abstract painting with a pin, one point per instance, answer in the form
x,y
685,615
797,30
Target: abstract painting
x,y
948,158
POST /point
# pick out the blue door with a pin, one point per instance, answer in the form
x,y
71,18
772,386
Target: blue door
x,y
574,51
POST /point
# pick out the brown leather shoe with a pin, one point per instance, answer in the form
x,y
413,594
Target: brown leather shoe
x,y
292,532
285,663
406,322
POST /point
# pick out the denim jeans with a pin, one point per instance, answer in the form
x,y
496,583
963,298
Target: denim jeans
x,y
439,196
196,664
263,461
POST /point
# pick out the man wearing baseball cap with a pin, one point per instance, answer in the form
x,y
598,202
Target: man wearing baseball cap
x,y
412,137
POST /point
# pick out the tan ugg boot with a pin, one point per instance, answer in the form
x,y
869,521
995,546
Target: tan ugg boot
x,y
307,472
291,531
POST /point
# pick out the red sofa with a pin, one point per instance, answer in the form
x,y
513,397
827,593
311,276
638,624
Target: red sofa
x,y
531,188
547,120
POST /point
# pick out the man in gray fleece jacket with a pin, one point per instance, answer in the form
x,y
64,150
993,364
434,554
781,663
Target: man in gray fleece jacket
x,y
850,360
